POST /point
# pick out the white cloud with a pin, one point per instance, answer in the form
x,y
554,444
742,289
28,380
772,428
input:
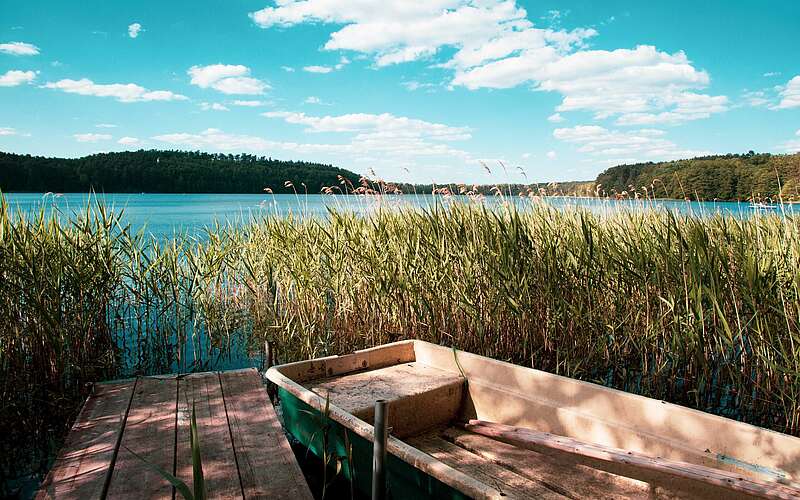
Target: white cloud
x,y
105,125
250,104
526,156
227,78
216,139
90,137
288,69
14,77
551,155
19,49
555,118
790,94
123,92
756,98
772,73
7,131
315,100
497,46
317,69
644,144
128,141
213,106
640,86
134,29
384,124
413,85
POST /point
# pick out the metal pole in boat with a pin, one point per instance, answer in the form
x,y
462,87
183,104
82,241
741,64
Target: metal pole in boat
x,y
379,450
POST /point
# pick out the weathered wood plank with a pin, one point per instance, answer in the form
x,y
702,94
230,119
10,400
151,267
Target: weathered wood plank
x,y
567,477
219,463
150,433
512,485
267,466
690,479
81,467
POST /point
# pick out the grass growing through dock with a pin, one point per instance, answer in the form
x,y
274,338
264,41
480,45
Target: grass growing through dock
x,y
704,312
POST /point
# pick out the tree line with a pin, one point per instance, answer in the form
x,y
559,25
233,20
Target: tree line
x,y
157,171
749,176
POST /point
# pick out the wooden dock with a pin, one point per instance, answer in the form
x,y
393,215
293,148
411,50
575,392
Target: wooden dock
x,y
245,453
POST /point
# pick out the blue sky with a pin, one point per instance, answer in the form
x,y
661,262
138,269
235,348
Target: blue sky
x,y
414,91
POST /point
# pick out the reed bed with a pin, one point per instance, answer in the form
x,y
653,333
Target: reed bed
x,y
703,312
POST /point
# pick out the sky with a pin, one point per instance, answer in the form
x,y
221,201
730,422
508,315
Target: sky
x,y
471,91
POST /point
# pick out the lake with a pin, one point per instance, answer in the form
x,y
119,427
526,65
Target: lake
x,y
166,214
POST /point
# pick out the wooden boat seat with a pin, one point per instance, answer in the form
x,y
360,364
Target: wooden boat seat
x,y
420,396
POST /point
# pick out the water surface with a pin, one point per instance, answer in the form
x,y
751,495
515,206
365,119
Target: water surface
x,y
166,214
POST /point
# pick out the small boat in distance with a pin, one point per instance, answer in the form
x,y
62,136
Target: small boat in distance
x,y
467,426
764,206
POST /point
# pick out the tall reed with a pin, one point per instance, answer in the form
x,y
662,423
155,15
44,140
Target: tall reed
x,y
703,312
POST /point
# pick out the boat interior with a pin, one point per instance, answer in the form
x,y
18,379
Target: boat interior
x,y
490,429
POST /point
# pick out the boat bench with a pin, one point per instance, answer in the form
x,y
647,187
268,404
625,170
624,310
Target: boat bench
x,y
420,396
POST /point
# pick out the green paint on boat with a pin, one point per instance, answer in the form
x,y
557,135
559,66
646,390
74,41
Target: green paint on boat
x,y
309,426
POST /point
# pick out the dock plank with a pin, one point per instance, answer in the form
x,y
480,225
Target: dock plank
x,y
150,433
267,466
83,463
219,463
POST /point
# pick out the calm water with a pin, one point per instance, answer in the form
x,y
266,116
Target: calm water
x,y
167,214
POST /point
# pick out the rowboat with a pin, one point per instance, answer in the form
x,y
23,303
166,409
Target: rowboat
x,y
467,426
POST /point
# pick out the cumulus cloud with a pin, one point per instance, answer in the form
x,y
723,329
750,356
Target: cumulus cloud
x,y
216,139
19,49
7,131
551,155
644,144
249,104
123,92
134,29
790,94
384,124
413,85
14,77
91,137
227,78
128,141
105,125
317,69
213,106
555,118
495,45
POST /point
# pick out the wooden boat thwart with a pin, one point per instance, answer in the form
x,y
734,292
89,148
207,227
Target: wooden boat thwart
x,y
466,426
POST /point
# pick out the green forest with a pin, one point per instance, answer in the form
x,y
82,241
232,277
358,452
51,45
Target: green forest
x,y
750,176
156,171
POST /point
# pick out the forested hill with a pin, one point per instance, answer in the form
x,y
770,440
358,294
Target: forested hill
x,y
730,177
164,172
